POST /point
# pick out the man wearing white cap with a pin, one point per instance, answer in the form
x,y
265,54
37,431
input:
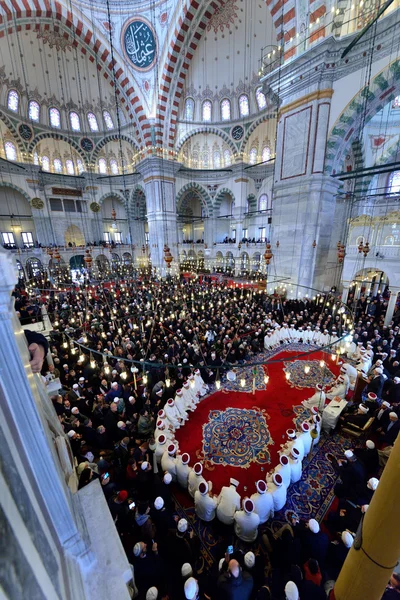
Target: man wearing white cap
x,y
291,591
352,472
172,414
168,461
183,469
393,393
278,491
295,466
205,503
195,477
228,503
163,428
315,543
294,441
368,456
181,408
283,468
376,382
247,522
161,446
360,418
382,416
339,388
391,431
305,437
189,391
317,399
187,397
263,502
200,386
191,589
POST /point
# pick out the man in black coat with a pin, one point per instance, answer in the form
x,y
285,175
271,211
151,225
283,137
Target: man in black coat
x,y
235,584
390,433
314,542
368,456
376,383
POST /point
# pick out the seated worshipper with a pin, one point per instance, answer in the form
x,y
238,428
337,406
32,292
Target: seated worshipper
x,y
172,414
351,374
360,418
317,399
283,469
168,461
263,501
295,466
205,503
390,432
337,553
195,477
235,584
183,469
278,491
188,398
200,386
376,382
246,522
314,542
339,388
305,437
294,441
368,456
351,472
180,405
228,503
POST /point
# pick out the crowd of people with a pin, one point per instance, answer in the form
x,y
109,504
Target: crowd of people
x,y
135,359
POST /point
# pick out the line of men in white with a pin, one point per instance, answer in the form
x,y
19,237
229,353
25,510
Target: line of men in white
x,y
271,494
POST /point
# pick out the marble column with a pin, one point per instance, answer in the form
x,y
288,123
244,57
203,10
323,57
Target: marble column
x,y
391,306
159,179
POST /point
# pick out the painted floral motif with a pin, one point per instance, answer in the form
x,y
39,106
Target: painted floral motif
x,y
299,378
224,16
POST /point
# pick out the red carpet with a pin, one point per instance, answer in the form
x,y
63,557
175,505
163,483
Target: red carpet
x,y
277,401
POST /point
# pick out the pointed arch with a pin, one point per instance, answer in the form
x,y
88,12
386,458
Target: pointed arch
x,y
220,196
200,191
203,130
112,195
57,136
5,184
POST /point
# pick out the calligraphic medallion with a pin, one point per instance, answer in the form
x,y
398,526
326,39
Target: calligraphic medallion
x,y
139,42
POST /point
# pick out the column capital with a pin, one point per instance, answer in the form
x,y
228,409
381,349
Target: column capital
x,y
158,168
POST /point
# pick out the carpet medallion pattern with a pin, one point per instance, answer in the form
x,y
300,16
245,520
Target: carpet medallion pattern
x,y
236,437
316,374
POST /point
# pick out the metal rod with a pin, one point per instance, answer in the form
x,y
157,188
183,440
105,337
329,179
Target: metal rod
x,y
366,28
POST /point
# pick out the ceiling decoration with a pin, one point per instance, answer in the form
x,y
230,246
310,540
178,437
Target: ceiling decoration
x,y
224,16
139,43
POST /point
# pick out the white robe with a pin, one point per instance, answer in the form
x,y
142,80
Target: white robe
x,y
317,399
246,526
167,432
278,493
205,506
228,504
263,505
180,405
190,404
339,389
168,463
305,437
159,451
182,472
200,386
283,471
295,469
172,415
194,481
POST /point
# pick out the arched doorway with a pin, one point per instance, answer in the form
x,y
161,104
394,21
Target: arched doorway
x,y
368,282
34,268
219,262
102,265
74,236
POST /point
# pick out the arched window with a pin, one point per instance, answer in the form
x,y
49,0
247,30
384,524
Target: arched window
x,y
92,120
189,109
108,120
227,158
57,164
75,121
206,110
263,202
102,166
79,165
69,165
35,158
55,117
225,109
114,166
394,183
10,150
261,99
232,207
244,109
266,153
205,160
217,159
396,102
34,110
45,163
13,100
253,156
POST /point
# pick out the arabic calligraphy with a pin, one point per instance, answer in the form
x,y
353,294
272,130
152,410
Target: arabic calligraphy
x,y
140,44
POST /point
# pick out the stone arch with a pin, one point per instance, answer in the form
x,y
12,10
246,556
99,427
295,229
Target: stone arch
x,y
137,206
113,137
384,87
207,129
75,235
111,195
57,136
252,127
16,188
219,197
200,191
13,130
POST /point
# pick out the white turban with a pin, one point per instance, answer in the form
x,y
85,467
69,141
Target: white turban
x,y
313,525
347,539
291,591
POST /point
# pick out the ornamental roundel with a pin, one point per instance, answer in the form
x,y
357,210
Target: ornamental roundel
x,y
37,203
138,39
94,207
25,131
87,144
237,132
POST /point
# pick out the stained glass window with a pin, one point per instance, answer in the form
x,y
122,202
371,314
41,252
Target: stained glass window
x,y
205,160
114,166
57,164
206,110
227,158
189,109
217,159
102,166
244,105
80,166
396,102
266,153
394,183
261,100
45,163
10,150
75,121
253,156
34,110
263,202
13,100
35,158
94,126
108,120
55,117
70,167
225,109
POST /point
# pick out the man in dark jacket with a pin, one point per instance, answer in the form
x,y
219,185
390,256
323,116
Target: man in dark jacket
x,y
235,584
390,433
314,542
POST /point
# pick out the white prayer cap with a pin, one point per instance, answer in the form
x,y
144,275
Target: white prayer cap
x,y
152,593
131,398
167,478
121,425
75,410
379,370
364,508
370,444
81,379
144,465
283,459
233,481
71,433
396,379
190,588
373,483
291,591
182,525
347,539
393,415
114,384
386,403
249,560
186,570
116,400
203,488
185,458
261,486
137,549
348,454
313,525
171,449
363,408
198,468
277,479
305,426
170,402
295,453
158,503
248,505
291,433
372,396
75,386
65,366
